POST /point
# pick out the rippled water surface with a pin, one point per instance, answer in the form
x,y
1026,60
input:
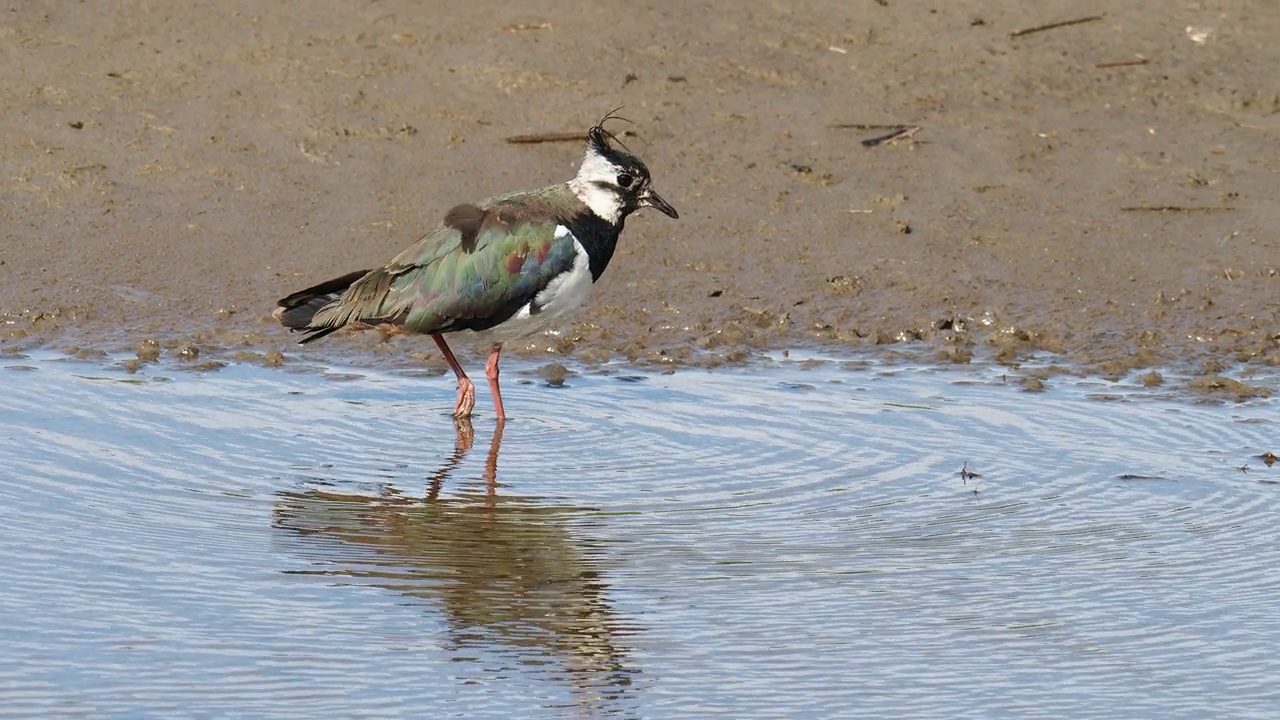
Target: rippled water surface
x,y
795,541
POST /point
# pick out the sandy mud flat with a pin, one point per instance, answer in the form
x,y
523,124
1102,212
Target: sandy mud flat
x,y
1104,190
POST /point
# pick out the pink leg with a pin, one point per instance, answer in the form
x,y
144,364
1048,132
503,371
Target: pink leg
x,y
466,391
491,372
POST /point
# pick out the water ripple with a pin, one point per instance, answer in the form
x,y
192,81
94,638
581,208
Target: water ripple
x,y
804,540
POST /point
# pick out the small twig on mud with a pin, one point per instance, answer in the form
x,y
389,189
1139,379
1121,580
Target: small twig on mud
x,y
1054,26
576,136
1121,63
517,27
1176,209
901,132
547,137
868,126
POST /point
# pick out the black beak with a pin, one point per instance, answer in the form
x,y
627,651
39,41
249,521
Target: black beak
x,y
655,201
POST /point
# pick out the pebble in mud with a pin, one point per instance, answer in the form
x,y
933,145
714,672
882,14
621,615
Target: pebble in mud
x,y
1219,385
1120,366
957,355
1030,384
148,350
273,358
85,353
731,334
555,374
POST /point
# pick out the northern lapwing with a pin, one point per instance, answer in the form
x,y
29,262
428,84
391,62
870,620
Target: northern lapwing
x,y
503,268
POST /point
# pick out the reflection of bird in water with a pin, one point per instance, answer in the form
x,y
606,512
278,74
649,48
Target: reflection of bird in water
x,y
508,574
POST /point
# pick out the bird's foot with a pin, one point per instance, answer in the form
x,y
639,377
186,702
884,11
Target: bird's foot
x,y
466,399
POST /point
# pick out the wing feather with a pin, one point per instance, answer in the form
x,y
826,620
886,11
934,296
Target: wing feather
x,y
461,278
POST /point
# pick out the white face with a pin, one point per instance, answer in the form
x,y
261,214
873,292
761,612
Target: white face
x,y
595,186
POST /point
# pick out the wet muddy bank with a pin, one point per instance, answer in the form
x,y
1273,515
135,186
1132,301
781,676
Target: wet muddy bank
x,y
1020,360
1102,192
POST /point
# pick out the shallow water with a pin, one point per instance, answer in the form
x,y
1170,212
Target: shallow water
x,y
786,541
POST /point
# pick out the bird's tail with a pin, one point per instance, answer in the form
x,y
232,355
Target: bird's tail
x,y
298,310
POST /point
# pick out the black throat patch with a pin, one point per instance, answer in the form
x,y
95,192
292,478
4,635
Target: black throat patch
x,y
598,237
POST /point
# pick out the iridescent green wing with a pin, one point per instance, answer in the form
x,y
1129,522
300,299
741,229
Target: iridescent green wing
x,y
472,272
481,283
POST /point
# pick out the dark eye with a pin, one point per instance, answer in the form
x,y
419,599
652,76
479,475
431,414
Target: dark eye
x,y
625,180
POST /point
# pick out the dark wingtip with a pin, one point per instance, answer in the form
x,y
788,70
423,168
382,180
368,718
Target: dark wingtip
x,y
328,287
313,334
297,311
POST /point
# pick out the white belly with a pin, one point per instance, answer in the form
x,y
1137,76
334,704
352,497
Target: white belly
x,y
556,303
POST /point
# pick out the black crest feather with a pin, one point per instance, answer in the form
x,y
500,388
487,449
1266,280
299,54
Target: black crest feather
x,y
601,137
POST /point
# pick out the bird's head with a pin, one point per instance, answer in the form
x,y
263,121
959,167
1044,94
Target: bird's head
x,y
613,182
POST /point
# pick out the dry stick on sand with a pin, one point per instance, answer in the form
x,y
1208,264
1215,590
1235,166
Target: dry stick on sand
x,y
867,126
548,137
1121,63
1054,26
556,137
1175,209
900,132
